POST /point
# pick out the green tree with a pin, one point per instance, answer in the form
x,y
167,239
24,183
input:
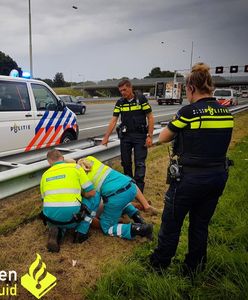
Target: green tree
x,y
48,81
157,73
59,80
7,64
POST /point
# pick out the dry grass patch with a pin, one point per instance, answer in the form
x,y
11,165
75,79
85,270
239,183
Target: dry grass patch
x,y
19,248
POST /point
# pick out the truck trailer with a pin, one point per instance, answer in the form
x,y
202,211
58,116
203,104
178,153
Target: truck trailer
x,y
168,93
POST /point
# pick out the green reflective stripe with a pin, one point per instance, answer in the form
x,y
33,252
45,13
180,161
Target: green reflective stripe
x,y
146,107
125,104
116,110
86,184
217,117
179,124
61,204
135,107
62,191
124,108
190,120
212,124
99,184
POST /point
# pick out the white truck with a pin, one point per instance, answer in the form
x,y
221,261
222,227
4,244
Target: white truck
x,y
32,116
168,93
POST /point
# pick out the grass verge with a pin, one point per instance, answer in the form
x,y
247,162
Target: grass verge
x,y
101,255
226,275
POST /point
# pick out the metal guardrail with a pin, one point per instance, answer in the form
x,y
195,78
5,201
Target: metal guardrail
x,y
22,177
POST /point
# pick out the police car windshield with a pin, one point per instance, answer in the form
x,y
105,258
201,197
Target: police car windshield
x,y
222,93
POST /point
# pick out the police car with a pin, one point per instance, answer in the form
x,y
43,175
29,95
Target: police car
x,y
226,97
32,116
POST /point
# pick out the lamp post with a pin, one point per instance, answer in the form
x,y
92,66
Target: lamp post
x,y
191,55
30,40
81,75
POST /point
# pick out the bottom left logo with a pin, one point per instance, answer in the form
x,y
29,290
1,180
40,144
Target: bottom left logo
x,y
38,281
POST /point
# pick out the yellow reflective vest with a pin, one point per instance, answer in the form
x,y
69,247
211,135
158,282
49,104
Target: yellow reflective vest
x,y
98,172
62,183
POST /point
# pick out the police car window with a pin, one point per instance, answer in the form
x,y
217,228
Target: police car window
x,y
222,93
14,96
44,99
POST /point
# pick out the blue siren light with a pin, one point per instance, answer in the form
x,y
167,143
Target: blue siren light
x,y
26,74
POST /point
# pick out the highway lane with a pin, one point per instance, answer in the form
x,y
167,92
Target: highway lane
x,y
95,121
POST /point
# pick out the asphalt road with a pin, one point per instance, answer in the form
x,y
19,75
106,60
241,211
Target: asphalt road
x,y
97,117
95,121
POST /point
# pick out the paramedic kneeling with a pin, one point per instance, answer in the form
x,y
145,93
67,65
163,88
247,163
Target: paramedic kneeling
x,y
61,187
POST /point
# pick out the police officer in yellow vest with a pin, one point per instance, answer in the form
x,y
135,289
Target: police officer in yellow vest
x,y
135,131
61,187
198,174
117,191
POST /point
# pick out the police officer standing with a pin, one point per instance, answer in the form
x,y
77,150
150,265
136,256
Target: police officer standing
x,y
135,131
202,132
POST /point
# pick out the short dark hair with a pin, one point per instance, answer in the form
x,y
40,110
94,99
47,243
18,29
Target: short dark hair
x,y
124,82
54,155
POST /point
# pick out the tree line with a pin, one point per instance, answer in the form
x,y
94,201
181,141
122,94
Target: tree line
x,y
7,64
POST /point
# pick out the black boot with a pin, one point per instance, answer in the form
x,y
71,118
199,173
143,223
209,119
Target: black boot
x,y
144,230
80,237
137,218
53,244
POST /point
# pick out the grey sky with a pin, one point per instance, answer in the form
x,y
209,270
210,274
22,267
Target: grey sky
x,y
93,42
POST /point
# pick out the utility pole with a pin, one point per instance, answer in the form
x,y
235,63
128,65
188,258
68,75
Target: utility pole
x,y
191,57
30,41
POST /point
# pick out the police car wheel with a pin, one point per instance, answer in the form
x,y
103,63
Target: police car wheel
x,y
83,111
67,137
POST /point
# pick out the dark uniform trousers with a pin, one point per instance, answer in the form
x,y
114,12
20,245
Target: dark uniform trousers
x,y
196,193
137,142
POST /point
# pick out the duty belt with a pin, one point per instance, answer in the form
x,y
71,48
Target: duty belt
x,y
198,169
127,187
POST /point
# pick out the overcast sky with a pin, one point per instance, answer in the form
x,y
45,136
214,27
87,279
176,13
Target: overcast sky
x,y
94,42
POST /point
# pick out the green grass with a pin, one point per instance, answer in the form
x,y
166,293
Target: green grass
x,y
226,275
67,91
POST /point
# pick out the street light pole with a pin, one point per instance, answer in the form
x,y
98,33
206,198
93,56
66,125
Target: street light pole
x,y
30,40
191,57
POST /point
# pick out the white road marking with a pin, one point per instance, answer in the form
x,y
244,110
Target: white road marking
x,y
105,125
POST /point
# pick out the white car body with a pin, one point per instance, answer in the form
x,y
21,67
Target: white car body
x,y
226,96
32,117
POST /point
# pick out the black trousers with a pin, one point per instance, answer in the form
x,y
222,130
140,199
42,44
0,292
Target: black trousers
x,y
196,194
136,142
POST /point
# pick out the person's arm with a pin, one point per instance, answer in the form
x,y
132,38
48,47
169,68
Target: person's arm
x,y
150,120
111,127
87,186
41,189
142,200
89,194
166,135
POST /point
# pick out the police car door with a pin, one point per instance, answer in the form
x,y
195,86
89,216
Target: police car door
x,y
16,116
47,118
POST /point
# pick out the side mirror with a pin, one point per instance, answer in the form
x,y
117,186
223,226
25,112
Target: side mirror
x,y
61,105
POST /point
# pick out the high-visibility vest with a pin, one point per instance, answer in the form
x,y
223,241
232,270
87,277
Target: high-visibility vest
x,y
61,185
98,172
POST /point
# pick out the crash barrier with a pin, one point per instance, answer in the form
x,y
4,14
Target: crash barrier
x,y
22,177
